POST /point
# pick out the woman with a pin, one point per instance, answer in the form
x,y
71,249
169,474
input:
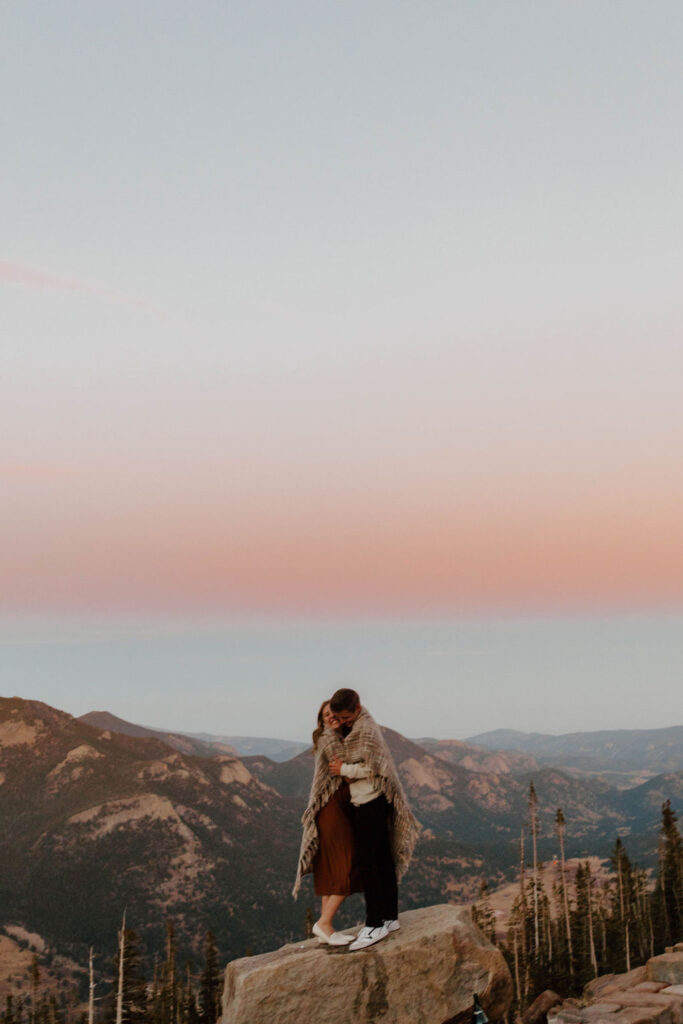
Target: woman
x,y
327,843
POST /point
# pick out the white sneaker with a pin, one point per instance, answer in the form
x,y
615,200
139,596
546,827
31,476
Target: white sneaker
x,y
368,937
392,926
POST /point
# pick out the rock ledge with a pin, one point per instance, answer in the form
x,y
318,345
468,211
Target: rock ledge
x,y
425,973
651,994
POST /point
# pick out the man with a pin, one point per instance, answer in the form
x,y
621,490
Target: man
x,y
385,829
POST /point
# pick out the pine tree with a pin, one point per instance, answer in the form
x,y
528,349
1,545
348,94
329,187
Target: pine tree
x,y
155,998
560,825
482,913
35,981
601,912
668,897
189,1009
54,1016
585,959
166,1011
540,964
131,1004
533,820
8,1016
210,985
516,927
547,928
523,912
623,903
641,916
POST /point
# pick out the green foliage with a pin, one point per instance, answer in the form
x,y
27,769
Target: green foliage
x,y
482,913
614,926
667,910
134,988
211,983
11,1013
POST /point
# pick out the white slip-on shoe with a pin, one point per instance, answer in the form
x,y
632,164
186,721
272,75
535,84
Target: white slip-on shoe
x,y
392,925
317,930
335,939
368,937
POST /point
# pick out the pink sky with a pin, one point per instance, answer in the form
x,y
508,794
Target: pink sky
x,y
110,538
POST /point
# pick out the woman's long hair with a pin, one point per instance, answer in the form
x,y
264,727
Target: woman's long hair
x,y
317,733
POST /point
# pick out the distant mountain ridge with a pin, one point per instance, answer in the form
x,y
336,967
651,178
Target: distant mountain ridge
x,y
203,744
655,750
479,758
275,749
184,742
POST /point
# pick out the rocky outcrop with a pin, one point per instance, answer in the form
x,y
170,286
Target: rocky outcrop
x,y
426,973
594,990
537,1013
668,967
651,994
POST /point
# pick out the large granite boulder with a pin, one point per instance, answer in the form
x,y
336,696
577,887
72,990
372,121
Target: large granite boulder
x,y
426,973
668,968
595,989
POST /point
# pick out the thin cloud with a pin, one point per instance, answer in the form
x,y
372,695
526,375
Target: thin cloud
x,y
17,273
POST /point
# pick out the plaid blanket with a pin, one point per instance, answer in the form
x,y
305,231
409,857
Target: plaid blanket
x,y
366,744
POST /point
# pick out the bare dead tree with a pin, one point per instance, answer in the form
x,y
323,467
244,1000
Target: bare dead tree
x,y
560,825
589,900
533,820
91,990
517,984
624,920
122,953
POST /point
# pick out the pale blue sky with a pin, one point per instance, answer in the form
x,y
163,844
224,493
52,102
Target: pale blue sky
x,y
301,184
449,679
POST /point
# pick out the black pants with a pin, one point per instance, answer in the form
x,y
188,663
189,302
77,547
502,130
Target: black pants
x,y
375,861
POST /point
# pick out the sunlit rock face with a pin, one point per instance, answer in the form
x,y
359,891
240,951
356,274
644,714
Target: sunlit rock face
x,y
426,973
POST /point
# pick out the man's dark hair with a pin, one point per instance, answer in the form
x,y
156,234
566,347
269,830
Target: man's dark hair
x,y
344,700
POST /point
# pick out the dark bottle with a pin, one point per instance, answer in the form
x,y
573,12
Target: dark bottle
x,y
478,1015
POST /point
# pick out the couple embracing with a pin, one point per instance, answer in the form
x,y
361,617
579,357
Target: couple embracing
x,y
359,832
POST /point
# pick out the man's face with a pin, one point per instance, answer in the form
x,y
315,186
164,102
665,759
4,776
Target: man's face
x,y
348,717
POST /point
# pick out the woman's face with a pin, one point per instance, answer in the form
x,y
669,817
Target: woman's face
x,y
330,720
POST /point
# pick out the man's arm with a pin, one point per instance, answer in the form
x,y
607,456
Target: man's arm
x,y
350,771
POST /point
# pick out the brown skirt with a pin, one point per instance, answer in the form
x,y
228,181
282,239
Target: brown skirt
x,y
334,870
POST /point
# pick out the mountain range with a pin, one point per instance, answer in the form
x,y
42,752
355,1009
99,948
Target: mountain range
x,y
99,814
618,750
204,744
